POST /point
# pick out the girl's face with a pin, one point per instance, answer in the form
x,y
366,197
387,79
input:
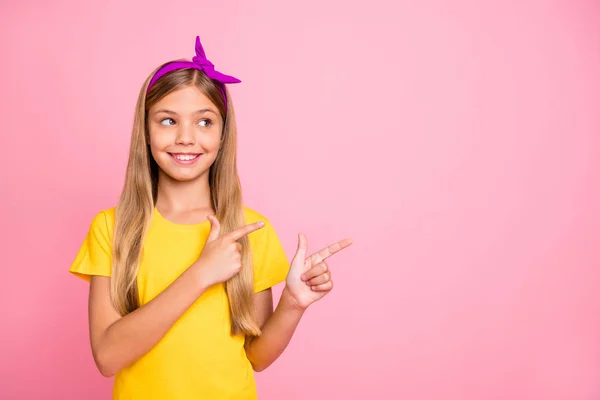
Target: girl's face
x,y
185,133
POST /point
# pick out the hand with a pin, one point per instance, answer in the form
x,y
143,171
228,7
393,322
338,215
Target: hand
x,y
309,278
221,257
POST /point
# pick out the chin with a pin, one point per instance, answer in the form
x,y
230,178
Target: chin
x,y
183,177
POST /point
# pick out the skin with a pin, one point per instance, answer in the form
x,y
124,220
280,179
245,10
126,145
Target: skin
x,y
186,121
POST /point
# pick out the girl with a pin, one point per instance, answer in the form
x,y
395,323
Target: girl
x,y
180,305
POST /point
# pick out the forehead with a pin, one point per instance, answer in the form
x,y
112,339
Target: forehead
x,y
184,101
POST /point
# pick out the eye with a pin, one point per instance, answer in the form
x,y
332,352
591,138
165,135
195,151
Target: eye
x,y
167,121
205,122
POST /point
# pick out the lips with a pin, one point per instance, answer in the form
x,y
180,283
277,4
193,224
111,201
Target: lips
x,y
185,158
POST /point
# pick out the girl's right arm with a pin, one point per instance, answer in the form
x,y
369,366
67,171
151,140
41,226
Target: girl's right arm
x,y
119,341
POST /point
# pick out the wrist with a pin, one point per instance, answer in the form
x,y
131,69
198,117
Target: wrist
x,y
200,278
288,302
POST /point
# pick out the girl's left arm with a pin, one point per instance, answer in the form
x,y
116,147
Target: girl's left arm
x,y
277,328
308,281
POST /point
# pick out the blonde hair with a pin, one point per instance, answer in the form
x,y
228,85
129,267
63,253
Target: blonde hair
x,y
136,205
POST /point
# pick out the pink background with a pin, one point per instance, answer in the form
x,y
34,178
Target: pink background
x,y
456,141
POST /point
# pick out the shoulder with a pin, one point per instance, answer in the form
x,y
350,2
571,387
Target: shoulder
x,y
253,216
104,220
270,262
267,233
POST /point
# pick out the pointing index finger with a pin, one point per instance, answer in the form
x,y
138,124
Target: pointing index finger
x,y
245,230
329,251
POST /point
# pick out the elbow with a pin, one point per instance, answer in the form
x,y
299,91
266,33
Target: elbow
x,y
259,367
104,366
105,372
258,363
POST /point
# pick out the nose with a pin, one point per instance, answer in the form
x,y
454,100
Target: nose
x,y
186,134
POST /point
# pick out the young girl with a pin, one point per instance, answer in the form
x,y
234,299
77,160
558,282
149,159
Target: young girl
x,y
180,305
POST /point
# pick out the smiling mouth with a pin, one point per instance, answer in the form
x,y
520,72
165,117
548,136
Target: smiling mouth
x,y
185,158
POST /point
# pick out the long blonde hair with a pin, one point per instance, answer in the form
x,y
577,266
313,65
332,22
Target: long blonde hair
x,y
136,205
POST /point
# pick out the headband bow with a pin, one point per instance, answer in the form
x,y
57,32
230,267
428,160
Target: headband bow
x,y
199,62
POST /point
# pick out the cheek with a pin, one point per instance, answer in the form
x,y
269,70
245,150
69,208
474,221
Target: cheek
x,y
159,141
157,145
160,138
211,142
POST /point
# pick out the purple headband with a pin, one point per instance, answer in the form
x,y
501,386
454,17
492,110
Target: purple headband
x,y
199,62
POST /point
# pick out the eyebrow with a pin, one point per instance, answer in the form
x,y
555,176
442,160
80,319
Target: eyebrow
x,y
201,111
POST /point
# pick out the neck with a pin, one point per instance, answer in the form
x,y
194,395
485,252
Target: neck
x,y
179,196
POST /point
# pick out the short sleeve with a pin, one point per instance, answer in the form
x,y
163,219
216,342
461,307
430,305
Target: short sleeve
x,y
269,259
95,254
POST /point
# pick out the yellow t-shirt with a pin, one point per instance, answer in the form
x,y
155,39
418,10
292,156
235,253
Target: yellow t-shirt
x,y
198,358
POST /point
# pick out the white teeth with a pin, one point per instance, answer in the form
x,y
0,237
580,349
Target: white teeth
x,y
185,157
